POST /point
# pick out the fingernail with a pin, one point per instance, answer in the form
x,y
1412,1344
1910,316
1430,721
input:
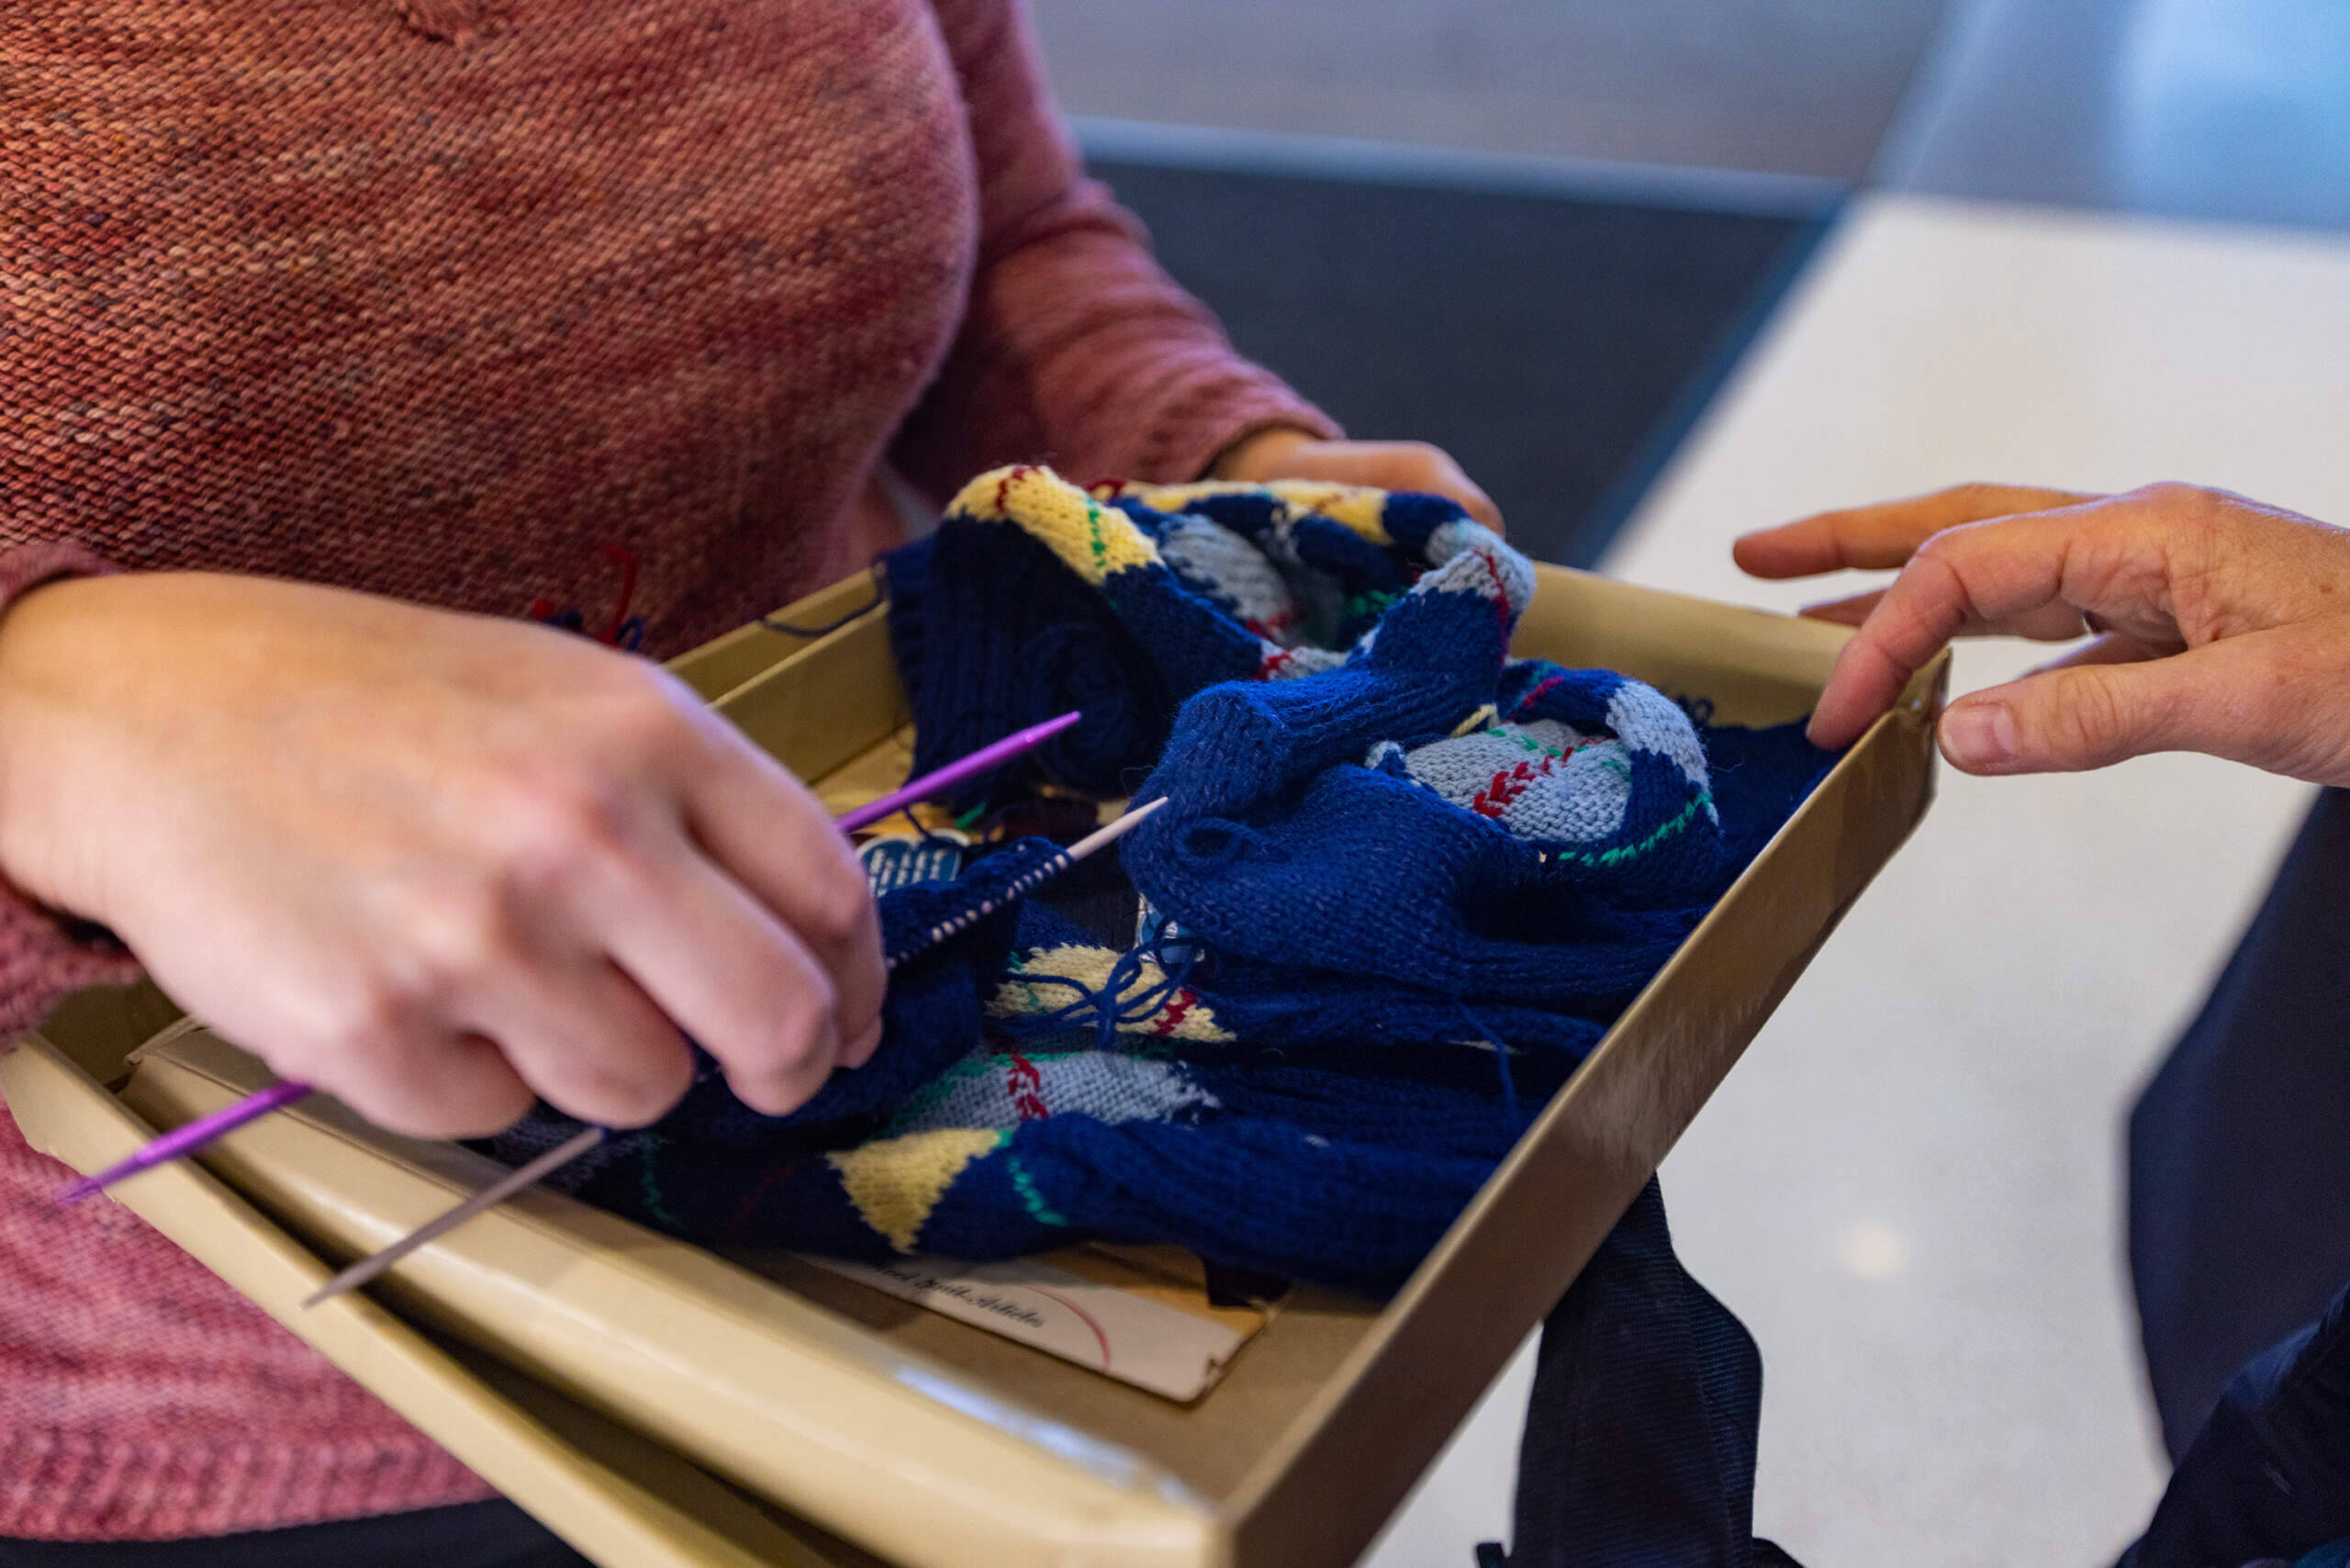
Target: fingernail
x,y
1979,736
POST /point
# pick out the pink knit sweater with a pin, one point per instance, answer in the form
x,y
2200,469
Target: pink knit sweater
x,y
467,301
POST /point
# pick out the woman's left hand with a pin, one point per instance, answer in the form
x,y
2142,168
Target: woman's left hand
x,y
1385,464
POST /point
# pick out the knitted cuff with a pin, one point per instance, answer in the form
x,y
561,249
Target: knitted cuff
x,y
44,954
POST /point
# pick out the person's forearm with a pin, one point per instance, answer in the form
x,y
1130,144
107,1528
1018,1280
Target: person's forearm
x,y
434,863
1079,349
1076,349
45,953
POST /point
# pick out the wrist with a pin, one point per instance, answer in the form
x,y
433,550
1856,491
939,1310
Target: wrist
x,y
1259,451
49,653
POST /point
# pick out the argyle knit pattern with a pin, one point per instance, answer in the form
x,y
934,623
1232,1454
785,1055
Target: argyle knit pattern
x,y
1389,961
490,304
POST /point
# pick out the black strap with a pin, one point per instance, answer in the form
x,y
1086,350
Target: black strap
x,y
1640,1433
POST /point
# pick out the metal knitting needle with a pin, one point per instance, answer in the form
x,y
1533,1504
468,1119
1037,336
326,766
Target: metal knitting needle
x,y
579,1143
196,1135
1028,882
497,1192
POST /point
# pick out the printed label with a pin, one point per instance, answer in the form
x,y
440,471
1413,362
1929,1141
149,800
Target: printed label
x,y
1103,1326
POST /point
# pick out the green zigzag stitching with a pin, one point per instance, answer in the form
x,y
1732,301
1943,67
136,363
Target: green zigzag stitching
x,y
1093,526
1528,743
1030,1199
1622,853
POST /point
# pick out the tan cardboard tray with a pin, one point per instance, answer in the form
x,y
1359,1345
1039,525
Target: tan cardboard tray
x,y
656,1404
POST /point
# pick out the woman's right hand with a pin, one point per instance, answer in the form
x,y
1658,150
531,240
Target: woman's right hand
x,y
432,863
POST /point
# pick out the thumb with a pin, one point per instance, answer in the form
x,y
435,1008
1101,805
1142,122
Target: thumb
x,y
2221,700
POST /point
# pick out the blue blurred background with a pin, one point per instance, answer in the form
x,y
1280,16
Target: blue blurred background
x,y
1539,232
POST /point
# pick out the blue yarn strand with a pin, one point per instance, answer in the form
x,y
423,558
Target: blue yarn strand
x,y
1501,1056
1102,1011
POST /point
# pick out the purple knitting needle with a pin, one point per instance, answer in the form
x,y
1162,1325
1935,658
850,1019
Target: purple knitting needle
x,y
955,773
186,1141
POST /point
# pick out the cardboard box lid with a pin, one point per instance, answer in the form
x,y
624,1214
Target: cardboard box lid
x,y
949,1445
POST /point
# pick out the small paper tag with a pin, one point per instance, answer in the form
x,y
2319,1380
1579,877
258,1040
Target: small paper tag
x,y
1107,1328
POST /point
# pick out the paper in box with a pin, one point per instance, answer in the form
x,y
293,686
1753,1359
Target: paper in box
x,y
926,1440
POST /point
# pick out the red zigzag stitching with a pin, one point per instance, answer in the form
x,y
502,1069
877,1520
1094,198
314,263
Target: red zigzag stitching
x,y
1023,1083
1506,786
1172,1019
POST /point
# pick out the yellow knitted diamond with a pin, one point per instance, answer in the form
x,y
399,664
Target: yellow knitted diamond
x,y
1092,540
895,1183
1067,974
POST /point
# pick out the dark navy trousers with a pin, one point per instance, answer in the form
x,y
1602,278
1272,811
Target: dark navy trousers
x,y
2239,1232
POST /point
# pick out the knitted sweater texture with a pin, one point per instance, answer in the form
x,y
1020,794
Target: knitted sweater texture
x,y
498,305
1411,881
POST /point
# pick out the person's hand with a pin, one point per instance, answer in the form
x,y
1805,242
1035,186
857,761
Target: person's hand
x,y
2224,625
429,862
1283,453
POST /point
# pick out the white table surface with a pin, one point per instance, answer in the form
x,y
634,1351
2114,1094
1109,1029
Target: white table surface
x,y
1910,1189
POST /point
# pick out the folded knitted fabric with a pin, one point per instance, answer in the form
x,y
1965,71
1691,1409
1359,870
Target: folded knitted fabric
x,y
1512,826
1034,597
1414,880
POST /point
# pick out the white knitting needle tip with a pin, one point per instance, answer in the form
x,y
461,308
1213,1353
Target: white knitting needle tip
x,y
490,1197
1113,832
571,1148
